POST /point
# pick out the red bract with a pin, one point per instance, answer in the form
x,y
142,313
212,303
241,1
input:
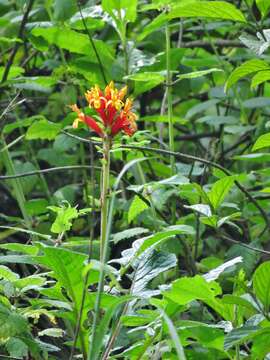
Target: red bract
x,y
115,114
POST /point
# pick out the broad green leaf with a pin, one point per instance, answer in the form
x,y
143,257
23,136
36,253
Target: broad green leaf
x,y
219,191
248,68
260,78
261,284
262,142
75,42
136,208
208,10
186,289
196,74
43,129
264,6
63,9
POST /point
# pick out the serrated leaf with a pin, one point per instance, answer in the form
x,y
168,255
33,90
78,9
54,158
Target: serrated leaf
x,y
248,68
43,129
261,284
64,217
262,142
136,208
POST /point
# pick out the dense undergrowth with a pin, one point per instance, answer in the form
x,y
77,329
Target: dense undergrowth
x,y
134,225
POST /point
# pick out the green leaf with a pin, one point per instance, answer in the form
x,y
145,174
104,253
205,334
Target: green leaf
x,y
64,217
147,267
43,129
260,78
95,347
63,9
146,81
262,142
14,72
127,234
16,348
219,191
129,7
248,68
241,335
7,274
261,284
11,323
196,74
75,42
136,208
208,10
36,206
187,289
264,6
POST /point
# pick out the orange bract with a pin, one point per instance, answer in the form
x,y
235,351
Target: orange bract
x,y
115,113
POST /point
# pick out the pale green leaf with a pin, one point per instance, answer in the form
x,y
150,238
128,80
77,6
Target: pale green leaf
x,y
196,74
262,142
260,78
136,208
247,68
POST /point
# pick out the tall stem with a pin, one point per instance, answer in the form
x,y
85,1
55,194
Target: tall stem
x,y
169,96
104,192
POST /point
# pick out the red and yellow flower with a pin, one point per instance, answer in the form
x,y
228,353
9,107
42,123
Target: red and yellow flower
x,y
114,112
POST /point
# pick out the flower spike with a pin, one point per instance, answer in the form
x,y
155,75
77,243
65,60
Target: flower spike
x,y
115,113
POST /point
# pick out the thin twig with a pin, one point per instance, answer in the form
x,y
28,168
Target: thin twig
x,y
17,44
92,44
245,245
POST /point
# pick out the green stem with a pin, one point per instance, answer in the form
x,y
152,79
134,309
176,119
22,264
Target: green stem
x,y
104,193
169,96
16,184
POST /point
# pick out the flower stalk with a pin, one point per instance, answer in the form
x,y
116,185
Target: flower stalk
x,y
105,189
